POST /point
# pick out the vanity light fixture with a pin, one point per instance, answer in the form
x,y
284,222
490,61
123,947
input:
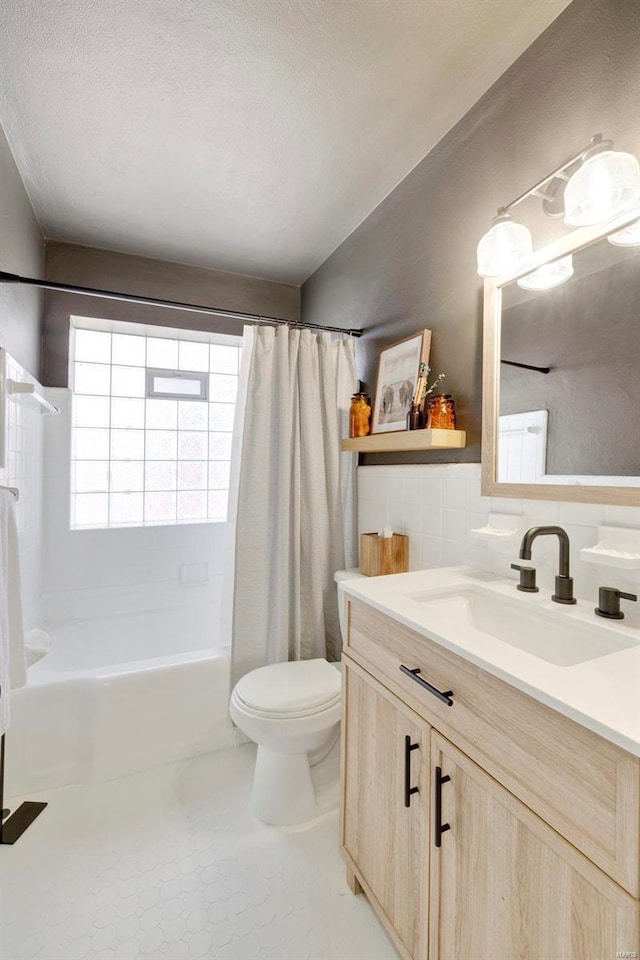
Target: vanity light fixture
x,y
593,186
504,245
628,236
606,184
548,275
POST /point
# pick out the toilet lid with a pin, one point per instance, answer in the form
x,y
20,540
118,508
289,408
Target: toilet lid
x,y
289,689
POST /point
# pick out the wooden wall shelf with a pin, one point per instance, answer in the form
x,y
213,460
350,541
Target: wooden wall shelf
x,y
407,440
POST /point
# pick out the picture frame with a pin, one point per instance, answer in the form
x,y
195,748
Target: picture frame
x,y
398,371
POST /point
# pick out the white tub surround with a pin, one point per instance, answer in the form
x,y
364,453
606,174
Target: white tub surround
x,y
117,696
120,571
600,693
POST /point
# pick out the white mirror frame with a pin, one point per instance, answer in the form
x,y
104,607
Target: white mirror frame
x,y
491,487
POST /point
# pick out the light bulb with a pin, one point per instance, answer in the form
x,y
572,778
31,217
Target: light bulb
x,y
548,275
503,248
606,184
627,237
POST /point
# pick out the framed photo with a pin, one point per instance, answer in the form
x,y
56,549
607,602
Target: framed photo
x,y
398,370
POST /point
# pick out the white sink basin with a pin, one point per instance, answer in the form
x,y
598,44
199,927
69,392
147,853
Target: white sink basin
x,y
555,639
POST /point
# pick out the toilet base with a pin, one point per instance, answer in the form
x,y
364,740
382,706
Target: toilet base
x,y
283,793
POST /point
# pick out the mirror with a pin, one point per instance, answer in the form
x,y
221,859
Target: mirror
x,y
561,407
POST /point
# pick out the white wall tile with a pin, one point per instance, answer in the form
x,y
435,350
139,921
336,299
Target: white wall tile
x,y
453,494
431,520
102,573
452,553
473,499
541,511
506,505
474,521
412,492
453,525
432,492
584,514
622,516
395,488
24,470
442,503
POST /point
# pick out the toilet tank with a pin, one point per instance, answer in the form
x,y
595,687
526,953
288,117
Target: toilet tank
x,y
340,577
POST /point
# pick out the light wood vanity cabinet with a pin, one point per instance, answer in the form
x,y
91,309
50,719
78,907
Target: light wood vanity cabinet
x,y
388,756
504,885
520,871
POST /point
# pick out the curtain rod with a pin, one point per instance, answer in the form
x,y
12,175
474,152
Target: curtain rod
x,y
170,304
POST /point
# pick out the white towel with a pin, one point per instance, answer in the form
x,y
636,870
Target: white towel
x,y
13,667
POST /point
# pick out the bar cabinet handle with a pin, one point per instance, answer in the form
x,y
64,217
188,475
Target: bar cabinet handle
x,y
440,826
408,789
444,696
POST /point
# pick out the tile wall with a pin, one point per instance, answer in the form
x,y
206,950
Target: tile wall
x,y
113,572
22,437
439,505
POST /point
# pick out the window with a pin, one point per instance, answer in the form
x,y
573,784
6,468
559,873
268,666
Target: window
x,y
153,414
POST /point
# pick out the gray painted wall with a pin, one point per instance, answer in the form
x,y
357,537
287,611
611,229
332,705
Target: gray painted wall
x,y
411,263
21,251
106,270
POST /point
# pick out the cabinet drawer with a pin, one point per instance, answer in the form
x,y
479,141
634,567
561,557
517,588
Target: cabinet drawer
x,y
585,787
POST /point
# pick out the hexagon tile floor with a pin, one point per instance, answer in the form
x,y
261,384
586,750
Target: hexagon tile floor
x,y
170,864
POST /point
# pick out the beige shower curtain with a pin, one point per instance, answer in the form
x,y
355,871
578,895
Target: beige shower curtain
x,y
295,518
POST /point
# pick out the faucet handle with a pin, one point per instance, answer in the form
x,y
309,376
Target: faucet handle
x,y
527,578
609,602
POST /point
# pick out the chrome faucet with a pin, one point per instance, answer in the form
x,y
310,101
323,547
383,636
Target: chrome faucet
x,y
564,582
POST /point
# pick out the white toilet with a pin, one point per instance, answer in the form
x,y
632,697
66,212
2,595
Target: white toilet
x,y
292,711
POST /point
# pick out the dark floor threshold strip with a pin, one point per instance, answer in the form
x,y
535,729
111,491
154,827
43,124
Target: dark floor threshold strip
x,y
13,828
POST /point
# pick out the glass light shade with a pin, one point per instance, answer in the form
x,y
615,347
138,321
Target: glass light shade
x,y
605,185
505,245
548,275
628,236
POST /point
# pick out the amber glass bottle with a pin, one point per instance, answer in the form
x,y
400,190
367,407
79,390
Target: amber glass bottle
x,y
360,416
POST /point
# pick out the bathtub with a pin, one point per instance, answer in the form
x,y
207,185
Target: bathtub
x,y
116,696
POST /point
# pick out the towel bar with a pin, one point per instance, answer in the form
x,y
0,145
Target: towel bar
x,y
29,389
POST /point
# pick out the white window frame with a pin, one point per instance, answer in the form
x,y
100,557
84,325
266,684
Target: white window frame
x,y
196,376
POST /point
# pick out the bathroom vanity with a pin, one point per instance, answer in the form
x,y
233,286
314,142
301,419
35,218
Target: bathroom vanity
x,y
491,771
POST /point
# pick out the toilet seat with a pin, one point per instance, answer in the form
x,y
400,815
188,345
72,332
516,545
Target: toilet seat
x,y
301,688
280,715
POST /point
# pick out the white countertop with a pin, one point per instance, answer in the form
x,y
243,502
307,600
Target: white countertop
x,y
602,694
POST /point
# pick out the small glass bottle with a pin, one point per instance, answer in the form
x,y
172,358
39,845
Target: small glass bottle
x,y
359,416
442,415
414,417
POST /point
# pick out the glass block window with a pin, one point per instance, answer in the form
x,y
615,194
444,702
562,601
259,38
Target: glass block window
x,y
151,428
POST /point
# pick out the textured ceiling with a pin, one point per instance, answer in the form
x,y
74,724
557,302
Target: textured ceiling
x,y
247,135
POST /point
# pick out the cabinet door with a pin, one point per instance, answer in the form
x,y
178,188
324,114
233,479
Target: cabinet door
x,y
386,840
505,886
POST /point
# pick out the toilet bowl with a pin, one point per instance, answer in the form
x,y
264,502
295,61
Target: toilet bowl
x,y
292,712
